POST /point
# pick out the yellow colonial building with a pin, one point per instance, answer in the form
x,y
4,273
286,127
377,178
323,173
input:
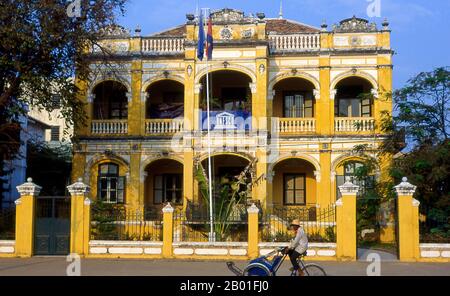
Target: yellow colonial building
x,y
285,99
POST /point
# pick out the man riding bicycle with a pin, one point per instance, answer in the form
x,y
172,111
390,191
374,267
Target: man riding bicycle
x,y
298,246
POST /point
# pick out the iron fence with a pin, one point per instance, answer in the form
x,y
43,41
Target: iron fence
x,y
193,225
434,225
318,223
7,223
119,223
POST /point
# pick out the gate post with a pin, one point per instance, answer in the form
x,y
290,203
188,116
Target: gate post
x,y
25,217
167,230
408,221
346,222
253,250
80,218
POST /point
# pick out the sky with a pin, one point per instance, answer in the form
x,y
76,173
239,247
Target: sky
x,y
420,28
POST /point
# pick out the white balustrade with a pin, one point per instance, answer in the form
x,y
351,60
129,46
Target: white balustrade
x,y
294,42
295,125
354,124
109,127
163,45
163,126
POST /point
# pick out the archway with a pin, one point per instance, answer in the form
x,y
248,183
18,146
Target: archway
x,y
294,98
110,101
354,97
163,183
230,100
165,100
294,183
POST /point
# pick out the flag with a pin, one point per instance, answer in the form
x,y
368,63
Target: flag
x,y
209,40
201,38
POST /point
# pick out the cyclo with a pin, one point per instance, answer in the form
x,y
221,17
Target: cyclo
x,y
269,264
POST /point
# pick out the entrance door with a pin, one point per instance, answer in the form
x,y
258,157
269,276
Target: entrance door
x,y
52,228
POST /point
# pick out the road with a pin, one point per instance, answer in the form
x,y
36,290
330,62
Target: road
x,y
56,266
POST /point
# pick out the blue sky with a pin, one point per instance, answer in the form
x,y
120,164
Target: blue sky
x,y
420,29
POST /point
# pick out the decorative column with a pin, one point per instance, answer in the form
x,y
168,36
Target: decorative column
x,y
408,221
253,249
80,218
346,222
25,217
167,230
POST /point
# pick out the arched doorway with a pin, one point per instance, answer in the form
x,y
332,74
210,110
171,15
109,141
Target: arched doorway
x,y
230,100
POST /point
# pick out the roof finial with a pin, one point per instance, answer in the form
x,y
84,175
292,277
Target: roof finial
x,y
280,15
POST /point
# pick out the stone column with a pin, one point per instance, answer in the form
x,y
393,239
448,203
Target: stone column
x,y
80,218
25,217
408,221
253,249
167,230
346,222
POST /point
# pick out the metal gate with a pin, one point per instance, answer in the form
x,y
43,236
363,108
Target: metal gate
x,y
52,226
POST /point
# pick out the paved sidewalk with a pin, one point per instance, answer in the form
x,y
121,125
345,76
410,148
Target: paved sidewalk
x,y
53,266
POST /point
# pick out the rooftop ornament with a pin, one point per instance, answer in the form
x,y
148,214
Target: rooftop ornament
x,y
324,26
354,25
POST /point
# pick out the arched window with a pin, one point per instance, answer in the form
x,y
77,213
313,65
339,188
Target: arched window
x,y
111,186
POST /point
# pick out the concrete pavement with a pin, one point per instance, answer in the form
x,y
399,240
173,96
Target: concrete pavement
x,y
56,266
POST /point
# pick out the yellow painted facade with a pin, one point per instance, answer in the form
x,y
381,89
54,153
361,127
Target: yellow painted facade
x,y
269,59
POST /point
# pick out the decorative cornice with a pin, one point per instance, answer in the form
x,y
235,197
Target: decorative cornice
x,y
78,188
29,188
405,188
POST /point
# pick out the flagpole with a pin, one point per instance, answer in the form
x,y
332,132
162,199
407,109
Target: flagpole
x,y
211,219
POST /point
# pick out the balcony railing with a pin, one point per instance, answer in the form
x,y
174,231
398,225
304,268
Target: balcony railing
x,y
295,125
294,42
163,126
109,127
163,45
354,124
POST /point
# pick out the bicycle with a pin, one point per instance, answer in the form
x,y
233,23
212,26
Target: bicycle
x,y
263,266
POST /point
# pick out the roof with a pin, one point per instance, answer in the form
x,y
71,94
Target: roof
x,y
176,31
276,26
284,26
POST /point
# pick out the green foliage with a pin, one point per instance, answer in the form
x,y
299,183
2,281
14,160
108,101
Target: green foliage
x,y
233,191
50,167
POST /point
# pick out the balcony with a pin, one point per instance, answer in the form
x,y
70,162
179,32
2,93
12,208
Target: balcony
x,y
109,127
294,42
163,126
354,124
162,45
289,126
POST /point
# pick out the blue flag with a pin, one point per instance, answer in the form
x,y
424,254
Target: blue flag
x,y
201,38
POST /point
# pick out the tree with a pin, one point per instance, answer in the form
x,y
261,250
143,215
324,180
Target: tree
x,y
42,47
423,106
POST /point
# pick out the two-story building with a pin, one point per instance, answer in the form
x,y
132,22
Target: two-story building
x,y
290,98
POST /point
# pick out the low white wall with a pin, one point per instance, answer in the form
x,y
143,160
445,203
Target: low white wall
x,y
125,248
210,249
7,246
435,251
314,249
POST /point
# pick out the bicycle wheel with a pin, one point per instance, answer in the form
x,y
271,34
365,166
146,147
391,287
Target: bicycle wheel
x,y
313,270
